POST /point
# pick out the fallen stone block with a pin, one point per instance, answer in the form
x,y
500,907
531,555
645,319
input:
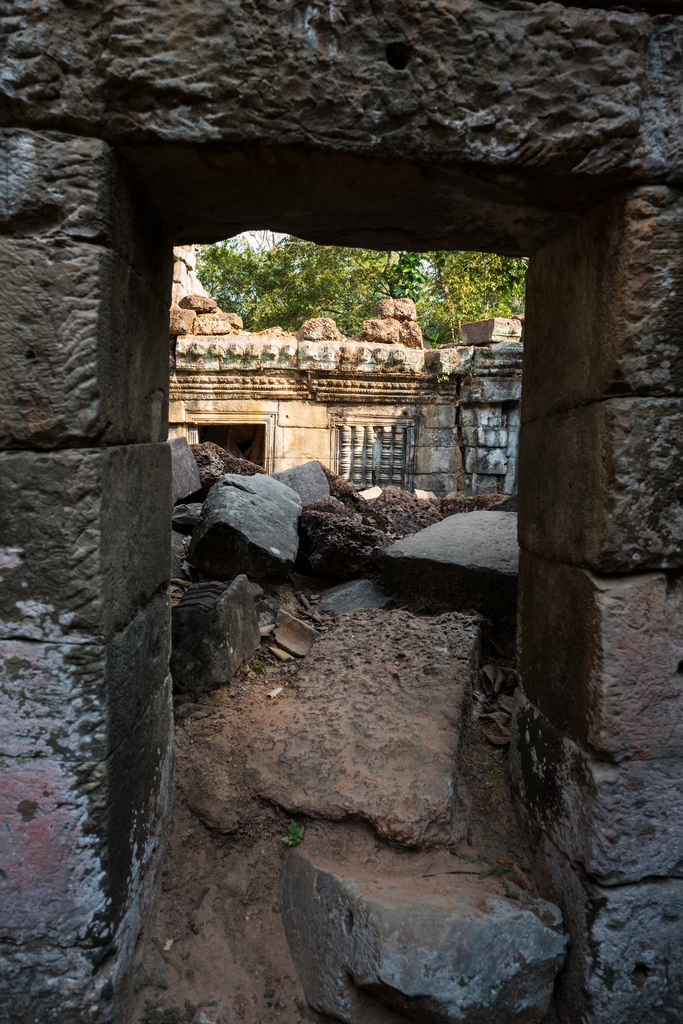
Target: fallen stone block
x,y
293,635
248,525
180,321
308,480
465,561
622,822
617,693
319,328
185,475
370,493
199,303
442,949
349,597
371,732
396,309
267,611
215,629
338,545
186,517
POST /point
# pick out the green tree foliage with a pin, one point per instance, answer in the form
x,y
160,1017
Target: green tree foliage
x,y
284,282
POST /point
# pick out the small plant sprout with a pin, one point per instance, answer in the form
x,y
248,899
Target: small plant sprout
x,y
295,833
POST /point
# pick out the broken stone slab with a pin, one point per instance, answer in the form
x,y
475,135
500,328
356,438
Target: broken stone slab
x,y
339,545
468,560
484,332
199,303
349,597
186,517
370,493
293,635
267,611
622,822
506,505
248,525
308,480
185,475
444,949
371,733
215,629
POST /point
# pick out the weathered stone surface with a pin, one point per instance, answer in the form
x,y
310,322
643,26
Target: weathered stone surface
x,y
248,525
185,517
410,335
484,332
449,359
397,309
348,597
622,508
308,480
86,539
446,949
624,956
319,328
370,731
601,657
215,629
213,462
86,333
199,303
338,545
180,320
267,611
293,635
218,323
606,304
571,128
180,545
185,479
623,822
382,332
465,561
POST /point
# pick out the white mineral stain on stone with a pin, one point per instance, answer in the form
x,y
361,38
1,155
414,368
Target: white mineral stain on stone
x,y
10,558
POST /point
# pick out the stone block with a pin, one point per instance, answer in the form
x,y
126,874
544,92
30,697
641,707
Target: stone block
x,y
448,360
180,321
492,437
610,472
398,309
437,437
248,525
602,656
484,415
215,629
86,539
308,480
77,701
605,305
347,597
465,561
302,414
86,348
199,302
622,822
440,483
451,950
383,332
410,335
483,484
484,332
293,447
623,960
185,479
492,389
80,834
439,417
491,461
503,359
217,323
437,460
319,328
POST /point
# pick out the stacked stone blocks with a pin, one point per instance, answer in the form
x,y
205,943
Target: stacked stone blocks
x,y
85,715
597,755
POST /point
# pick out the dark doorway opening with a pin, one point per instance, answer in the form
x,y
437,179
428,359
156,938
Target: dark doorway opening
x,y
243,440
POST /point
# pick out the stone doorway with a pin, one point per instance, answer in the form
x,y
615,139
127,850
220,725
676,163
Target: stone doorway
x,y
243,440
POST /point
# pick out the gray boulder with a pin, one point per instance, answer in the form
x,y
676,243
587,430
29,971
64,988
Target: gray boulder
x,y
186,517
470,560
348,597
248,525
447,949
185,475
308,480
215,629
340,544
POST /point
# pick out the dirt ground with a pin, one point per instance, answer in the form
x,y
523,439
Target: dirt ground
x,y
216,951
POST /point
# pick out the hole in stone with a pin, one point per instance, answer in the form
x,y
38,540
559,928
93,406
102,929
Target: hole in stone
x,y
398,55
243,440
639,976
348,922
30,354
679,670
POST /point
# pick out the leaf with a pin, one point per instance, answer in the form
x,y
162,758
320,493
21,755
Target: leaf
x,y
497,741
498,681
506,704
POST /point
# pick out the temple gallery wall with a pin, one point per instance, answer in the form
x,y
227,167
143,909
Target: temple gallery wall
x,y
376,410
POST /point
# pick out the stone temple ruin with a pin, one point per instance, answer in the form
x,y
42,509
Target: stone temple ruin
x,y
528,128
379,410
